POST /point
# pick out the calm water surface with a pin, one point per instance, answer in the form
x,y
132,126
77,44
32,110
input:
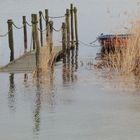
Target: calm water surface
x,y
75,101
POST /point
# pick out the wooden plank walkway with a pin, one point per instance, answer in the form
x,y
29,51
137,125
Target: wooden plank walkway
x,y
26,63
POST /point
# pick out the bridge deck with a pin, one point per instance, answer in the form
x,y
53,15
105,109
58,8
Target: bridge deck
x,y
25,63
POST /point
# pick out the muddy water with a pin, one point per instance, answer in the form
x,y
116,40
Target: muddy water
x,y
75,101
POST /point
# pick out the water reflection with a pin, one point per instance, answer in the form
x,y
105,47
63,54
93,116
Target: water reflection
x,y
25,78
26,84
76,58
137,82
37,108
11,93
45,95
115,80
49,92
70,66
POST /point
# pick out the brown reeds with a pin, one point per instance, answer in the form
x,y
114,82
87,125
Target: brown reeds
x,y
46,61
125,59
132,54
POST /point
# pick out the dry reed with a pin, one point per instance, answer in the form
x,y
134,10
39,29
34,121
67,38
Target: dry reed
x,y
46,61
125,60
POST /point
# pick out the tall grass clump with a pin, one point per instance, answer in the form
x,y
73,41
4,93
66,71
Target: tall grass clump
x,y
131,56
125,59
46,61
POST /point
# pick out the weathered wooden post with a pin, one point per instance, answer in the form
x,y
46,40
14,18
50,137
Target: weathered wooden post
x,y
37,42
48,35
64,38
51,35
41,28
72,26
68,28
76,25
10,38
46,22
25,33
33,32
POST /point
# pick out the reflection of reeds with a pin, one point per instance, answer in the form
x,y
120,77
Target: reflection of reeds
x,y
125,59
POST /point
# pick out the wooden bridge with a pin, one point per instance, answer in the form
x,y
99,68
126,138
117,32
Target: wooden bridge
x,y
27,62
39,53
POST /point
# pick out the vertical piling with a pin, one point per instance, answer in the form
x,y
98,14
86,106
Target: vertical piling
x,y
72,26
64,38
46,22
10,38
76,25
25,34
48,35
36,37
51,35
68,28
41,28
33,32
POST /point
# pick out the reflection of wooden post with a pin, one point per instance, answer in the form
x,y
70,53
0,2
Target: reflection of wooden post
x,y
64,37
35,29
76,59
25,34
11,40
72,64
68,28
47,21
76,25
72,27
33,32
40,23
51,35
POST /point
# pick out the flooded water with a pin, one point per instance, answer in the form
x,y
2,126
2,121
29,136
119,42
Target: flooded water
x,y
75,101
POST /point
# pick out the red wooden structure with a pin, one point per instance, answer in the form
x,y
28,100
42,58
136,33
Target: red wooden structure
x,y
119,40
